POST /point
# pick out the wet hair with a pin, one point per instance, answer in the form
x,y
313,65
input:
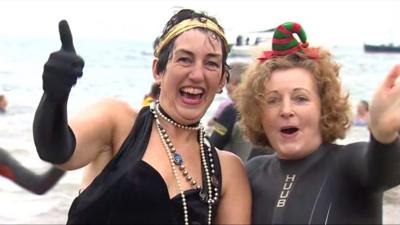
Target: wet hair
x,y
155,90
155,43
165,53
335,105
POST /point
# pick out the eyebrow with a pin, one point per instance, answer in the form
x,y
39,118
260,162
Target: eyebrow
x,y
301,89
184,51
294,90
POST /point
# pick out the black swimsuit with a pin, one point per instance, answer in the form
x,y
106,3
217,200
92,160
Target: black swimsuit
x,y
334,185
130,191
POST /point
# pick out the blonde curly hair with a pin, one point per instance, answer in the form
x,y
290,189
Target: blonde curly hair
x,y
335,106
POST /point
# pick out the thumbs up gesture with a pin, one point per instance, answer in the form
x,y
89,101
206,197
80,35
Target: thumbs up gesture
x,y
63,67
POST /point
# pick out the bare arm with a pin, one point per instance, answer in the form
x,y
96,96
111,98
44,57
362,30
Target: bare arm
x,y
235,203
100,128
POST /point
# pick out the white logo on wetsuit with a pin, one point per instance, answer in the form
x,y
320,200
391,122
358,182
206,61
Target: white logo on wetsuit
x,y
287,186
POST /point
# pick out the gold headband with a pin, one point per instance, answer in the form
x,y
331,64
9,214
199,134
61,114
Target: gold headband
x,y
187,25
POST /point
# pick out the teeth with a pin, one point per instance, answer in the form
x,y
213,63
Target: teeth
x,y
193,91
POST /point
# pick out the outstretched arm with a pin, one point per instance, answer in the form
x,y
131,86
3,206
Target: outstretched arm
x,y
384,123
376,165
384,119
22,176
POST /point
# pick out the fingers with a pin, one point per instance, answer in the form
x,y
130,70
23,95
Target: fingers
x,y
66,37
394,74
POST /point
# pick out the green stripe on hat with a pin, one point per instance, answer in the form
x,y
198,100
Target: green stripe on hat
x,y
285,31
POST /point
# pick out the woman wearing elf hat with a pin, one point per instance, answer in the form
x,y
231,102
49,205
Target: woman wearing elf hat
x,y
292,100
154,166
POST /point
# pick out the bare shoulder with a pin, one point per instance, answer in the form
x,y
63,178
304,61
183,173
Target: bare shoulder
x,y
113,105
110,108
227,157
121,115
231,164
235,188
106,122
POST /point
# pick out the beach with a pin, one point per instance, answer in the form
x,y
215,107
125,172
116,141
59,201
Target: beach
x,y
121,69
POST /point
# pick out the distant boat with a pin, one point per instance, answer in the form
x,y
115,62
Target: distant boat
x,y
382,48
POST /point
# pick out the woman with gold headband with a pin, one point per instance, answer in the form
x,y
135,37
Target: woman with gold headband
x,y
291,99
154,166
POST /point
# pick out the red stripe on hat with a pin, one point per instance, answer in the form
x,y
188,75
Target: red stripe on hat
x,y
296,27
287,51
284,30
282,40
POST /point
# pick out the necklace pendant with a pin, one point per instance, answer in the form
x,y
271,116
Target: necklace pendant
x,y
203,196
178,159
214,181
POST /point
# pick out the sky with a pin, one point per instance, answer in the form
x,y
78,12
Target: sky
x,y
332,22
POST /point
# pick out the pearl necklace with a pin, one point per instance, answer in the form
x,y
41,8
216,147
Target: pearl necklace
x,y
171,121
171,151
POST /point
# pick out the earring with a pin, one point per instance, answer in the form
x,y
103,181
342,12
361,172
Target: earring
x,y
220,91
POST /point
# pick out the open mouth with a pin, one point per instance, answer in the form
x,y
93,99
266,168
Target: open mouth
x,y
192,93
289,130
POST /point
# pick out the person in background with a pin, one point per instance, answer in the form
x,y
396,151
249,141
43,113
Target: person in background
x,y
154,166
226,133
11,169
152,95
361,117
3,103
233,82
292,100
225,102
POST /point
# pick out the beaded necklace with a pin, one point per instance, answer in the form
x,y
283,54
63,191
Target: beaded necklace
x,y
176,160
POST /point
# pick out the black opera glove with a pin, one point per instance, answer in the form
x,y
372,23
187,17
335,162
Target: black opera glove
x,y
63,67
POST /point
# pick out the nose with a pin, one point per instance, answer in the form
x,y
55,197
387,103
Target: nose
x,y
286,109
197,72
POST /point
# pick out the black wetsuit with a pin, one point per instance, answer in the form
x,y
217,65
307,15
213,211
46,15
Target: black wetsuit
x,y
38,184
130,191
224,123
228,135
334,185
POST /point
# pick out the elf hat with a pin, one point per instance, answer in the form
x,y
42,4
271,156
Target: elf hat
x,y
284,43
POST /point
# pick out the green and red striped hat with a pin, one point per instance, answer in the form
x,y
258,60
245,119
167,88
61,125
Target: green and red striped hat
x,y
284,43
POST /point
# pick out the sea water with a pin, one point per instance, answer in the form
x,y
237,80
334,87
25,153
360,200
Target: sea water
x,y
120,69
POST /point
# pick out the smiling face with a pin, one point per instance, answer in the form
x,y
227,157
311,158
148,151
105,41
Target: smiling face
x,y
291,113
192,77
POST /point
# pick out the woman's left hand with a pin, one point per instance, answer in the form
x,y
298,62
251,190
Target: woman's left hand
x,y
384,118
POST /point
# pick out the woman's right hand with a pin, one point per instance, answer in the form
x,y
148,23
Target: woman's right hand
x,y
63,67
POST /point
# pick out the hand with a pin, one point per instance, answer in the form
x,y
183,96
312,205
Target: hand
x,y
384,119
63,67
